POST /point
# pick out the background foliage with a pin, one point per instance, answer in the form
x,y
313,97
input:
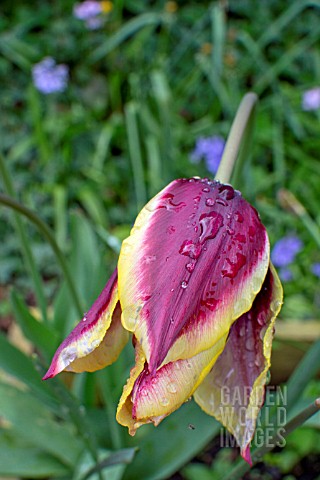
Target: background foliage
x,y
142,89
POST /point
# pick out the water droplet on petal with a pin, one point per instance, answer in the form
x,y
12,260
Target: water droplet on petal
x,y
210,224
171,229
206,189
167,202
164,401
226,191
250,344
261,318
258,361
190,267
184,284
149,259
242,331
230,269
262,333
275,305
171,387
222,202
210,303
210,202
191,249
230,231
144,392
239,217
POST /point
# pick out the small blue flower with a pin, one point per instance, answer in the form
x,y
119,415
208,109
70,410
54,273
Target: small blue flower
x,y
87,9
49,77
311,99
285,250
209,149
315,268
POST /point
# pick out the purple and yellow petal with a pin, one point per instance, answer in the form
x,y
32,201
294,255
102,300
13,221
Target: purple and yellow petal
x,y
151,397
87,346
195,260
233,392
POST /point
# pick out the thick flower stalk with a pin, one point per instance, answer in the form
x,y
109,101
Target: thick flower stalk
x,y
196,289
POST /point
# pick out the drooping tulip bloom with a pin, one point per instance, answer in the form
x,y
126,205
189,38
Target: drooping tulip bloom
x,y
196,289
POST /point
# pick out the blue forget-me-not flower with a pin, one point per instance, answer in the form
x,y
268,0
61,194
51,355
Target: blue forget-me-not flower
x,y
48,77
209,149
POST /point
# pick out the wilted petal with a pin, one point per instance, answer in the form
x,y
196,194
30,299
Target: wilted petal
x,y
194,262
150,398
233,392
95,342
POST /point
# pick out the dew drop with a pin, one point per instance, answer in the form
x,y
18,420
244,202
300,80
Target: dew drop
x,y
250,364
250,344
206,189
222,202
239,217
210,202
231,269
144,392
171,229
226,191
230,231
190,249
149,259
252,232
167,202
84,319
242,331
210,303
210,224
190,267
171,387
146,297
184,284
164,401
262,333
275,305
261,318
258,361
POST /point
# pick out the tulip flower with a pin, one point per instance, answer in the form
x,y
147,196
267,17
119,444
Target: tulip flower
x,y
195,287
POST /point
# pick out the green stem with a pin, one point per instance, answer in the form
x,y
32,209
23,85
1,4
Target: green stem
x,y
276,440
26,249
236,137
13,204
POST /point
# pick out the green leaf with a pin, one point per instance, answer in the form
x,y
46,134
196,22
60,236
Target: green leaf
x,y
17,364
41,335
24,461
30,420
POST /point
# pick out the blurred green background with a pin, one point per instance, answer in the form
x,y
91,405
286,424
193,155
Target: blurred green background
x,y
144,85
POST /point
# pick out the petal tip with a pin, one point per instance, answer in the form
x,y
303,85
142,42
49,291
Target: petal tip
x,y
246,455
